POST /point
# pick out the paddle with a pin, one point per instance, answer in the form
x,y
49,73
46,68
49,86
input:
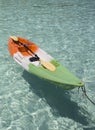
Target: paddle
x,y
45,64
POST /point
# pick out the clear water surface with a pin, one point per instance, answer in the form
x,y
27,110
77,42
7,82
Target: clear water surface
x,y
66,30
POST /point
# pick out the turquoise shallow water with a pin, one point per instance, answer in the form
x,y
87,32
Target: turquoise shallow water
x,y
65,29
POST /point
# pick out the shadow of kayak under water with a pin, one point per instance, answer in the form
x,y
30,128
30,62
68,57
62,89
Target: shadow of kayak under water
x,y
56,97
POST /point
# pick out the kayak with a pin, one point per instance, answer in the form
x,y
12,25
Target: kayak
x,y
38,62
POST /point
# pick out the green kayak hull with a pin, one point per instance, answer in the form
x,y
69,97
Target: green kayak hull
x,y
61,76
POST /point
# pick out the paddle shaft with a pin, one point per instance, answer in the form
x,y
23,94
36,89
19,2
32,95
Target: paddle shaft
x,y
17,42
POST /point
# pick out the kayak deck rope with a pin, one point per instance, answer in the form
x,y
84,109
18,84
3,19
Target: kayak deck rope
x,y
84,92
